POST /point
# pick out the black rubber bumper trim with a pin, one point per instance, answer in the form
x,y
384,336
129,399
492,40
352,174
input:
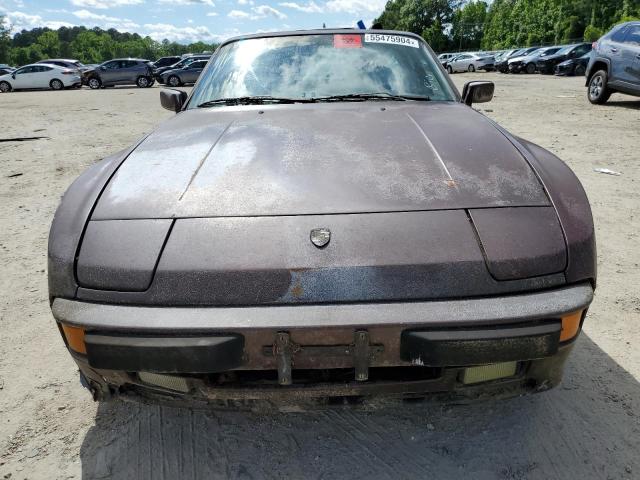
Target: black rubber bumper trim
x,y
461,347
202,354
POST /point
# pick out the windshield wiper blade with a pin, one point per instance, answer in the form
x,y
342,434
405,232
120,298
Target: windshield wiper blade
x,y
363,97
253,100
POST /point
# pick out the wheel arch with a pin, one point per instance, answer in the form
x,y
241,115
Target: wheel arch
x,y
597,65
8,83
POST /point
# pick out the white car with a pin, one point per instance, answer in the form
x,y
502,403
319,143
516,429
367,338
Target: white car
x,y
445,57
469,62
40,75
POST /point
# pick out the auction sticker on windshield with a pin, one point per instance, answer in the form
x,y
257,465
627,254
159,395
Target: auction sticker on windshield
x,y
392,39
347,41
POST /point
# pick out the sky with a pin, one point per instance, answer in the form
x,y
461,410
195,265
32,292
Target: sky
x,y
187,21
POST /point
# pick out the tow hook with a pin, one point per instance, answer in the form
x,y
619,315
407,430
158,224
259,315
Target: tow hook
x,y
285,351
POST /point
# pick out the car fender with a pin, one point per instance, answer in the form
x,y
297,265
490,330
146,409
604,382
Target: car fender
x,y
70,220
572,206
594,61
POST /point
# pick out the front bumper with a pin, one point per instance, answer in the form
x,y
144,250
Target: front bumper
x,y
322,350
545,68
564,70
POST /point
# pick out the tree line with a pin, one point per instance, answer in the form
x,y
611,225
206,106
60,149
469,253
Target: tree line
x,y
87,45
454,25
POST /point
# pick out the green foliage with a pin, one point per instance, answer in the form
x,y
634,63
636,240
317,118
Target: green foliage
x,y
87,45
591,33
467,25
50,44
5,40
417,16
474,24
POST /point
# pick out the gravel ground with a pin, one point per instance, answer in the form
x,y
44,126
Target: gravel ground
x,y
49,427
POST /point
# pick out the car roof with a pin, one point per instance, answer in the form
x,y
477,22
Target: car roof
x,y
70,60
127,58
38,64
322,31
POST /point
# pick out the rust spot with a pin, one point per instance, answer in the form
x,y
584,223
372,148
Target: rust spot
x,y
451,183
297,291
299,270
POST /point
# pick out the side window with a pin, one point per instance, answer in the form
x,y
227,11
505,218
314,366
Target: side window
x,y
129,63
633,36
619,35
579,51
112,65
24,70
44,68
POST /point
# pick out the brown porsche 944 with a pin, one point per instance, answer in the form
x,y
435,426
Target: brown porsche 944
x,y
325,216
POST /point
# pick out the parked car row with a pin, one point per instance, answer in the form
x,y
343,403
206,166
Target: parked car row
x,y
560,59
57,74
612,64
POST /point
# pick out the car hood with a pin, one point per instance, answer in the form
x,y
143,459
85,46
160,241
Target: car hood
x,y
307,159
553,58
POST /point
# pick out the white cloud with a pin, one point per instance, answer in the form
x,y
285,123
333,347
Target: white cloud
x,y
23,21
104,4
209,3
266,11
262,11
212,14
160,31
105,21
311,7
238,14
245,2
356,6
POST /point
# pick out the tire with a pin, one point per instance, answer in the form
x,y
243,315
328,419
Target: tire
x,y
579,71
530,68
56,84
471,68
94,83
449,69
142,82
5,87
174,81
598,92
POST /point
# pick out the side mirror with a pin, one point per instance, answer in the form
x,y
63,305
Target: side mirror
x,y
103,68
13,75
477,92
172,100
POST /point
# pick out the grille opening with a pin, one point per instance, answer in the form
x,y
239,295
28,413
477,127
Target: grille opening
x,y
317,376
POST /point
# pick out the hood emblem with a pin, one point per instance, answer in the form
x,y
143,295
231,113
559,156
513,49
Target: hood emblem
x,y
320,237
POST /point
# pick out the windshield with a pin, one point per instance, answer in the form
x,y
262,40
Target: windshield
x,y
305,67
565,50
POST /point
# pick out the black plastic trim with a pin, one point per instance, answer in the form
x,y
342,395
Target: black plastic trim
x,y
162,354
476,346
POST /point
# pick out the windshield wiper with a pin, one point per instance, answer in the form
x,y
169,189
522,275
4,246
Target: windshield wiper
x,y
254,100
363,97
351,97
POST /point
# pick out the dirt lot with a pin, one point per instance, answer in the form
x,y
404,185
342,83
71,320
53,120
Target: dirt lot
x,y
49,427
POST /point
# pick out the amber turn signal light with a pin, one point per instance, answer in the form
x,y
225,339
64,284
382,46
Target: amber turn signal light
x,y
75,338
570,326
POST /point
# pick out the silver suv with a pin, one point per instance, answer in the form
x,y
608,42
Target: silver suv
x,y
615,64
120,71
